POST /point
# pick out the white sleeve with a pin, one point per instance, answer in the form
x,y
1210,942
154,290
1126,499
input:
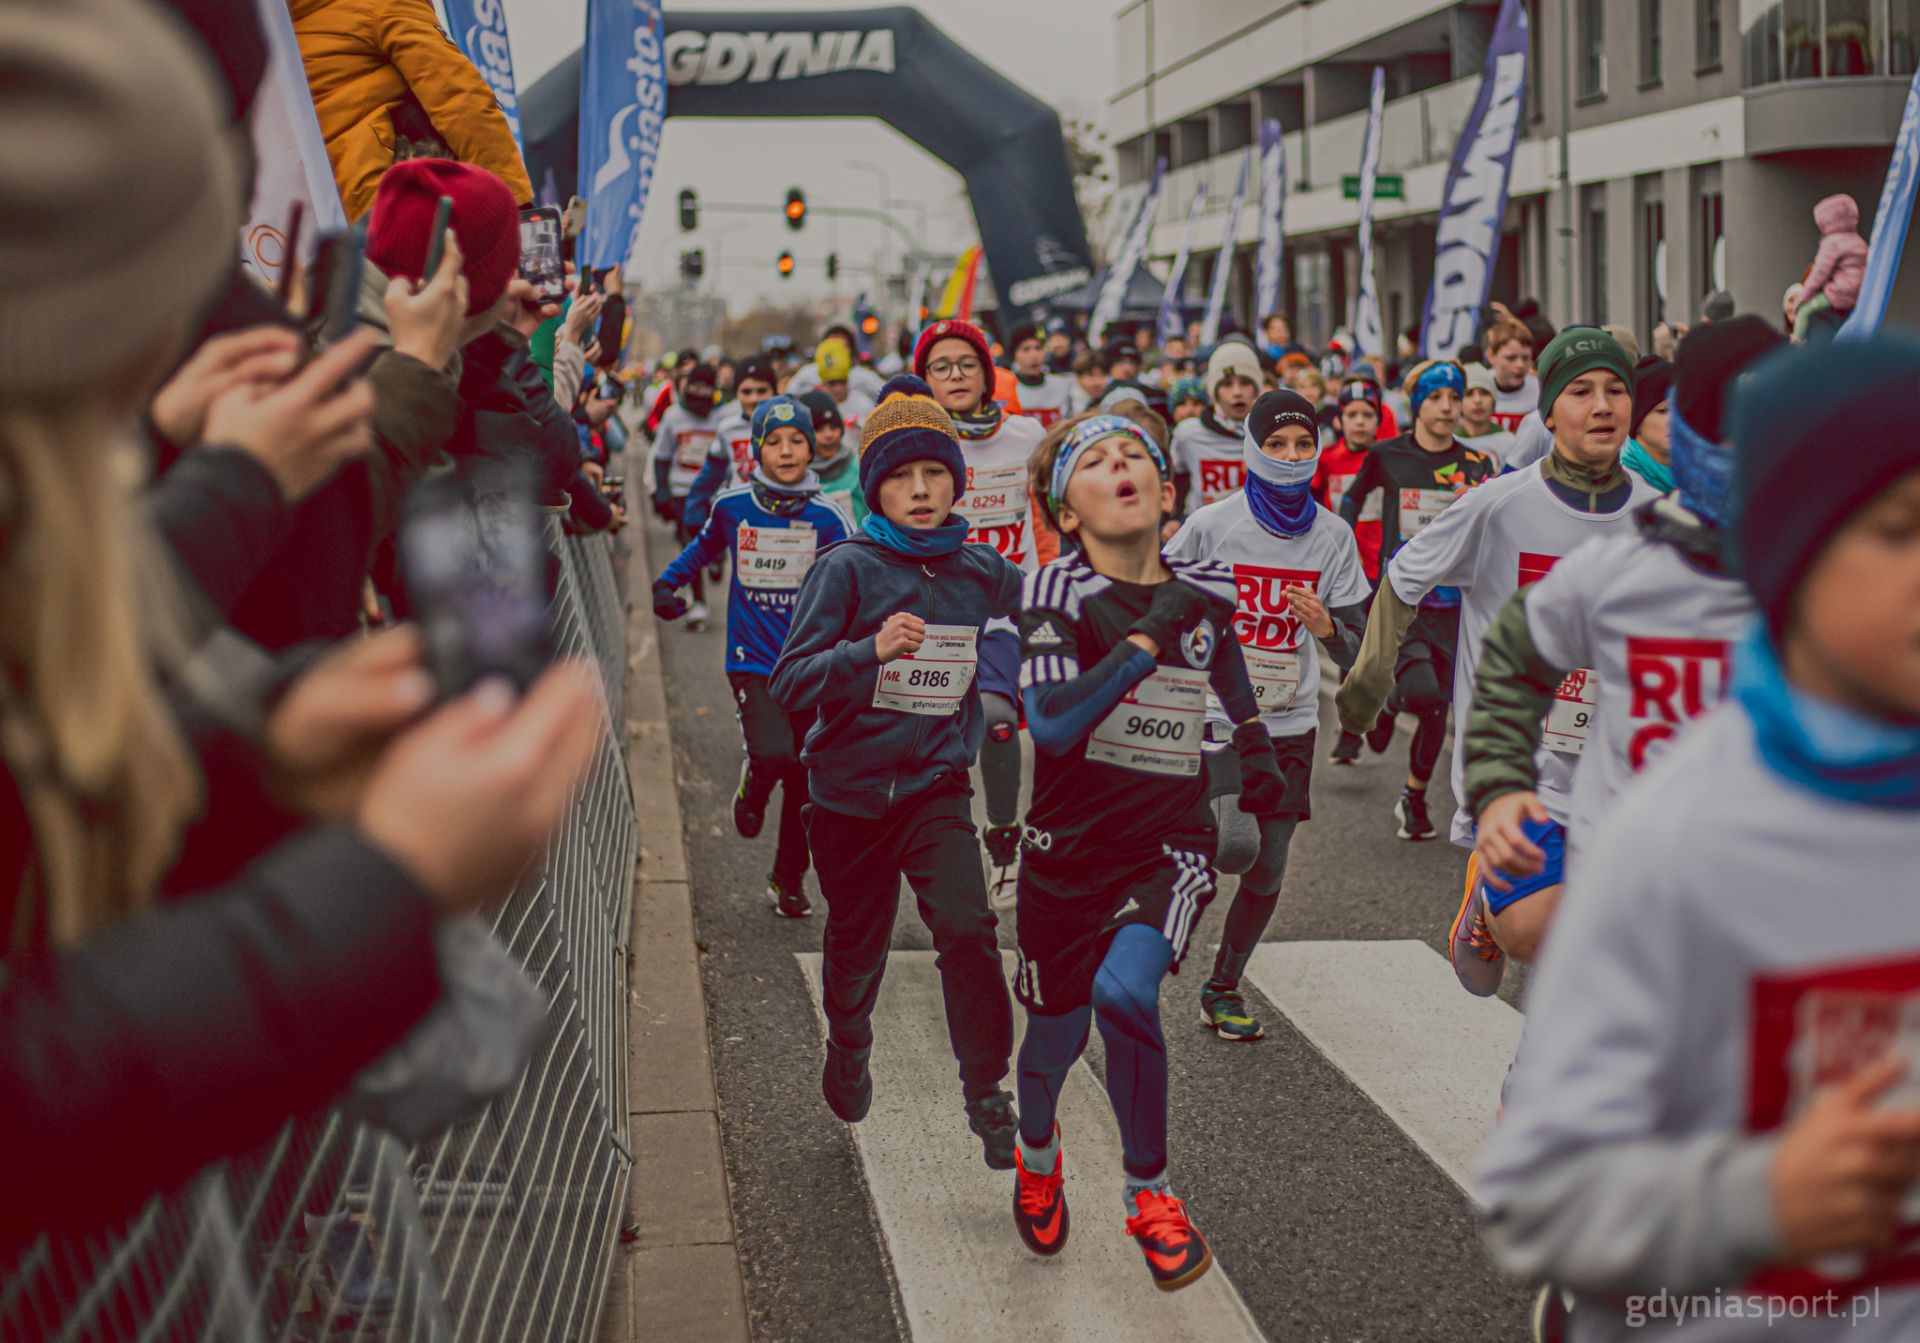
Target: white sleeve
x,y
1560,607
1531,441
663,436
1187,543
1585,1180
1345,581
1445,552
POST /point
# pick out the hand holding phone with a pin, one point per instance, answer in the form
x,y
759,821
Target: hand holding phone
x,y
540,262
437,239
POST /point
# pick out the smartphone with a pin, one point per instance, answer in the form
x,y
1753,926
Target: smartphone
x,y
586,281
540,263
339,259
437,240
475,565
290,256
614,490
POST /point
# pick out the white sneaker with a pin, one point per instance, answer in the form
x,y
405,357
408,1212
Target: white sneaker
x,y
697,616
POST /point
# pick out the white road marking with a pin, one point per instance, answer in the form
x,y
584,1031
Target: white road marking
x,y
1391,1016
962,1271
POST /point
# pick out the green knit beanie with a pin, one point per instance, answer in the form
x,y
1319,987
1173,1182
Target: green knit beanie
x,y
1577,350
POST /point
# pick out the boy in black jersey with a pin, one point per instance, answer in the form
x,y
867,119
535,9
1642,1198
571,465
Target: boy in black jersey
x,y
1419,474
1119,648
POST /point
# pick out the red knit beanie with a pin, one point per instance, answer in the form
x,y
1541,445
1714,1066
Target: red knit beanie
x,y
485,220
952,329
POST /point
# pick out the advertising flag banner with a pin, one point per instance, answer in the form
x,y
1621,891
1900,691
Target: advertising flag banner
x,y
1113,293
623,103
479,28
1890,223
1170,323
290,156
1268,256
1366,303
1223,264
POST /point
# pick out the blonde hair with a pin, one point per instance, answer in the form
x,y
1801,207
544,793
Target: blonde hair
x,y
105,776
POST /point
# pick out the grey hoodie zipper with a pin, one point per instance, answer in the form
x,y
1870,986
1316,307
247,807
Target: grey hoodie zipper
x,y
894,782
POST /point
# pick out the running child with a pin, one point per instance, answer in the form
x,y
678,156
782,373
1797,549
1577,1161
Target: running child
x,y
680,447
834,460
953,358
1333,479
1208,464
1649,449
774,526
1516,387
730,458
1044,395
1296,573
1120,646
1497,539
1477,427
1187,398
1656,614
1714,1098
1089,380
883,648
835,363
1418,477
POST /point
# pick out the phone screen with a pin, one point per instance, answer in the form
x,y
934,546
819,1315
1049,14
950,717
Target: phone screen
x,y
476,565
540,262
338,259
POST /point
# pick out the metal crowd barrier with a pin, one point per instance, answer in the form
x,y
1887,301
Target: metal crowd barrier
x,y
502,1228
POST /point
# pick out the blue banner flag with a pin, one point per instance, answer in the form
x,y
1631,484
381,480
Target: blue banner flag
x,y
1474,202
1366,303
479,28
623,101
1171,322
1890,223
1133,246
1223,263
1273,228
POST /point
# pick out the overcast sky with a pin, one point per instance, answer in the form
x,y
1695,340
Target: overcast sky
x,y
1029,41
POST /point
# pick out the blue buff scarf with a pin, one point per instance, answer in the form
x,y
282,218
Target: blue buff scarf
x,y
782,500
1083,436
1702,470
1646,466
1279,493
1835,752
917,543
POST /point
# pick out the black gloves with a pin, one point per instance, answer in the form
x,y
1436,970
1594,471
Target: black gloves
x,y
668,604
1178,607
1262,790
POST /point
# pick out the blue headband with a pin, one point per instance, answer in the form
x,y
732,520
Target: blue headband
x,y
1442,374
1083,436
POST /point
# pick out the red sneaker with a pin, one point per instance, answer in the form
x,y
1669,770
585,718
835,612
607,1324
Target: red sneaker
x,y
1176,1255
1040,1203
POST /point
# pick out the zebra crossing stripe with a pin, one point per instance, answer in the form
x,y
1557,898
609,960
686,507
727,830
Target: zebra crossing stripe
x,y
947,1220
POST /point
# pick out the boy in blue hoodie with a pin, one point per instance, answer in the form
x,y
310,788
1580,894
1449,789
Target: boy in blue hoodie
x,y
884,649
774,526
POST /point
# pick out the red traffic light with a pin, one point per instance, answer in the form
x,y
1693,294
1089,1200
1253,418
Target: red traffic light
x,y
796,208
785,264
870,325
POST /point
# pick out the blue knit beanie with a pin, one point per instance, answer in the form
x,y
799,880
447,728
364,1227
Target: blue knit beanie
x,y
781,412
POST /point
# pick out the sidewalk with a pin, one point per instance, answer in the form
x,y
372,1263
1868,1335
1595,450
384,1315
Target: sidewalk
x,y
676,1273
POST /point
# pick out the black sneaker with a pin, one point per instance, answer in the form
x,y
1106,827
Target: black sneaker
x,y
789,900
749,813
846,1083
1380,735
993,1121
1347,750
1411,812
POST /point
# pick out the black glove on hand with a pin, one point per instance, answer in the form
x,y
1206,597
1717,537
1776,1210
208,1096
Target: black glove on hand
x,y
1262,790
1177,607
668,604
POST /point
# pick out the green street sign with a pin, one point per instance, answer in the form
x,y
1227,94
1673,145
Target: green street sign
x,y
1386,187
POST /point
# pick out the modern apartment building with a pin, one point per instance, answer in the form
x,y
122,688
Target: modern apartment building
x,y
1670,147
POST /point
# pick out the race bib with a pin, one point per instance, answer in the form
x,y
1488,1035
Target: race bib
x,y
1420,507
933,681
775,557
742,456
1571,719
995,496
1220,478
1338,487
690,450
1157,727
1275,676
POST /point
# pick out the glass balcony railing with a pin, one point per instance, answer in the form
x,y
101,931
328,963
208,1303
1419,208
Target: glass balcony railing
x,y
1784,40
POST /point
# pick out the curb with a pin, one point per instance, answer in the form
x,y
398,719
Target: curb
x,y
676,1273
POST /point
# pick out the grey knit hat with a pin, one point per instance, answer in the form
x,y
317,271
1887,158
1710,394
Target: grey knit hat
x,y
119,188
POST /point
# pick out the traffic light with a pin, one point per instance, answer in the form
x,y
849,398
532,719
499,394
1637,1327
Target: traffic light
x,y
796,208
693,264
833,265
689,210
785,265
869,325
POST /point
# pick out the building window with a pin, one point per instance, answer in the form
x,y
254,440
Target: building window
x,y
1593,245
1592,31
1649,42
1712,261
1653,264
1824,39
1707,34
1903,36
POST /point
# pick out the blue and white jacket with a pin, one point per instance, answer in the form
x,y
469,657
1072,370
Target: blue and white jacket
x,y
773,541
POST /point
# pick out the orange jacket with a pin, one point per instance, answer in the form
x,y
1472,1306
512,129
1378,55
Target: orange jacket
x,y
361,57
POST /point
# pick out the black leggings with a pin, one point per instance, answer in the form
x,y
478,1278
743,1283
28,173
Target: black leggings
x,y
773,739
1420,693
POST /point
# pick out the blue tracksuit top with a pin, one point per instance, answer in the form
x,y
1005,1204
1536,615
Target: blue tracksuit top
x,y
767,576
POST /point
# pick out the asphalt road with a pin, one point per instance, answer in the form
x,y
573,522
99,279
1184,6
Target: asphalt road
x,y
1330,1221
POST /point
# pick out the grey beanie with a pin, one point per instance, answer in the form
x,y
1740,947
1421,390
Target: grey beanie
x,y
119,188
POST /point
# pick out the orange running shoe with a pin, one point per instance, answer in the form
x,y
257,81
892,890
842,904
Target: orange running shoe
x,y
1478,962
1176,1255
1040,1202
